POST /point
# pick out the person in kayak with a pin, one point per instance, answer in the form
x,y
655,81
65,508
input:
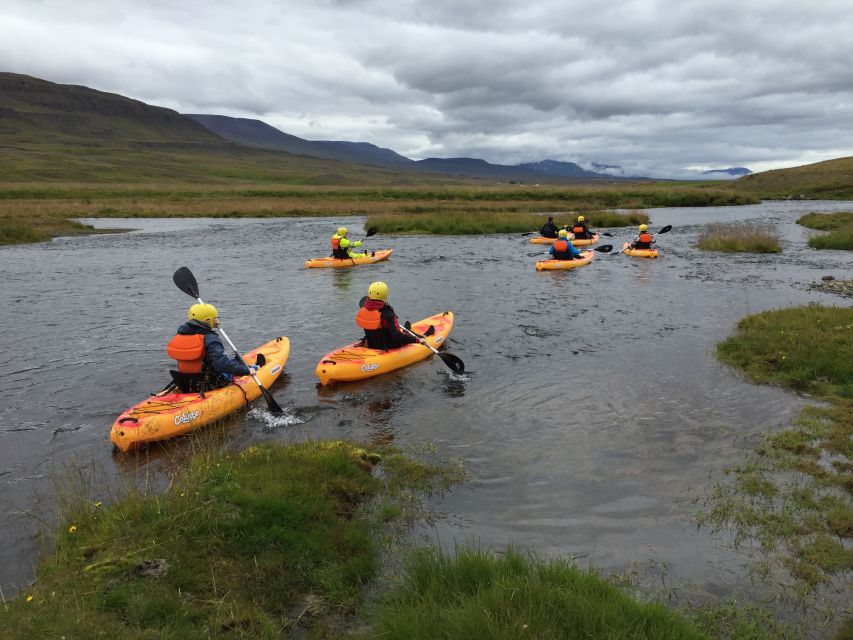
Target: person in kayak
x,y
342,246
580,229
562,249
377,318
549,229
644,239
202,363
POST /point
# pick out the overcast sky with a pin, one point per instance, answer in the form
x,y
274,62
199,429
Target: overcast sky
x,y
659,88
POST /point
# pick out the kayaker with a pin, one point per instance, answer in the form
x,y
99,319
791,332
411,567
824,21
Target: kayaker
x,y
202,363
562,249
377,318
644,240
342,246
549,229
580,229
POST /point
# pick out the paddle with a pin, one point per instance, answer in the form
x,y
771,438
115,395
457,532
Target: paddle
x,y
186,282
665,229
605,248
455,364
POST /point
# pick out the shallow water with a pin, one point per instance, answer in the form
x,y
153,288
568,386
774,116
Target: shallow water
x,y
591,407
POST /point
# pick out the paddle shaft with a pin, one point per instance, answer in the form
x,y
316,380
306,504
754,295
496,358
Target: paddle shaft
x,y
237,353
426,344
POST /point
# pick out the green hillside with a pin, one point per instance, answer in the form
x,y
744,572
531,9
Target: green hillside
x,y
829,180
64,133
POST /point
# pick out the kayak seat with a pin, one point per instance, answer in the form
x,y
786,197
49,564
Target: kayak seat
x,y
189,382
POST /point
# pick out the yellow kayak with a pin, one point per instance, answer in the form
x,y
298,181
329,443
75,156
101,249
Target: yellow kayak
x,y
585,242
639,253
168,414
354,362
553,265
378,256
542,240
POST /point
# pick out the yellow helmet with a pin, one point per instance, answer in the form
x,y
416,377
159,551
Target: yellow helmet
x,y
581,218
644,227
206,313
342,231
377,291
562,233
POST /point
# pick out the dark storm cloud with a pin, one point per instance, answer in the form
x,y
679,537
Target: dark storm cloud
x,y
657,86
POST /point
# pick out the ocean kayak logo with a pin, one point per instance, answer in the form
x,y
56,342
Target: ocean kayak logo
x,y
369,367
183,418
439,339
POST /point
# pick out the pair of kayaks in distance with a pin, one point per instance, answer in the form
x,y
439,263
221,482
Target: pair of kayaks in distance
x,y
578,242
169,413
342,263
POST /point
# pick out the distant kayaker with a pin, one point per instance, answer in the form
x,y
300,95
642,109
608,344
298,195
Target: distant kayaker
x,y
563,249
342,246
202,363
549,229
580,229
644,240
377,318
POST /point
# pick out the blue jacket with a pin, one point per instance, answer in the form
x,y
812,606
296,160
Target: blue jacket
x,y
214,352
575,253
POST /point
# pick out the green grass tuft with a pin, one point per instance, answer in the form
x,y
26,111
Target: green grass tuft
x,y
739,238
475,595
839,225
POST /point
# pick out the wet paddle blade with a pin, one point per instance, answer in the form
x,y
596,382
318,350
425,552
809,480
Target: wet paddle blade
x,y
606,235
272,405
455,364
605,248
665,229
186,282
371,232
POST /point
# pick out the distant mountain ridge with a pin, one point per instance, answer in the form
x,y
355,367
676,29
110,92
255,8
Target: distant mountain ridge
x,y
736,172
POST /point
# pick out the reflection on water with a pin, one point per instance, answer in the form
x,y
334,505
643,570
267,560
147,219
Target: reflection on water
x,y
590,406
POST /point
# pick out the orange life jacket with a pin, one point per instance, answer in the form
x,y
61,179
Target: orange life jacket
x,y
336,242
368,319
646,237
561,245
188,351
578,229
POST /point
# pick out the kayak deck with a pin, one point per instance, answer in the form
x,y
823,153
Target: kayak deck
x,y
329,262
557,265
168,413
354,362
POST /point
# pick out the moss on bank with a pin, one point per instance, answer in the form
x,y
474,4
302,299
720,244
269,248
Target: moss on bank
x,y
794,493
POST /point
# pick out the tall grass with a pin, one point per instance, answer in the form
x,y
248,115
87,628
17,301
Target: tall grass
x,y
478,222
739,238
839,225
474,595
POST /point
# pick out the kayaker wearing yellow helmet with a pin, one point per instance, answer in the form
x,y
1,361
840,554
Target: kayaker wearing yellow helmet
x,y
580,229
562,249
342,246
377,318
202,363
644,240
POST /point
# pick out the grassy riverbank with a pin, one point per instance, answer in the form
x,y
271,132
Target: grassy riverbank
x,y
739,238
20,204
241,545
472,223
839,225
794,493
17,231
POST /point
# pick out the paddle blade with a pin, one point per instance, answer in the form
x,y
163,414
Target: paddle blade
x,y
605,248
186,282
455,364
272,405
665,229
371,232
606,235
529,233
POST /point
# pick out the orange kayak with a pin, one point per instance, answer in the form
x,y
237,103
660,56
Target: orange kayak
x,y
639,253
553,265
354,362
379,256
168,414
585,242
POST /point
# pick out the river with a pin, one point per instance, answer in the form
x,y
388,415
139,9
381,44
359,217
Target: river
x,y
591,409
